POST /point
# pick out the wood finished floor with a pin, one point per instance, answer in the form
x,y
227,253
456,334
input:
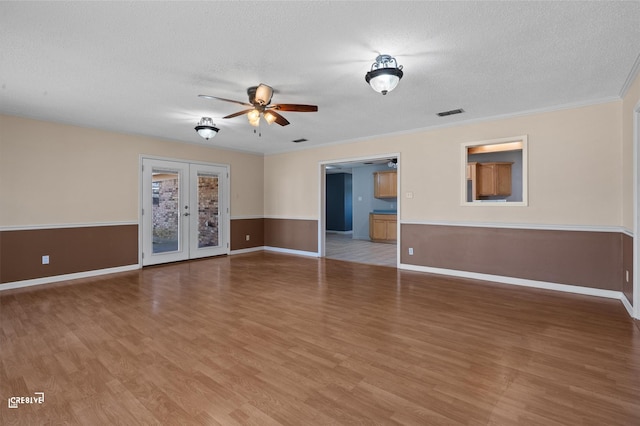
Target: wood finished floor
x,y
267,338
344,247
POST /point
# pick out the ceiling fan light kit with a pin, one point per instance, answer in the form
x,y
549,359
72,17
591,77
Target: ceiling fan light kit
x,y
385,74
206,128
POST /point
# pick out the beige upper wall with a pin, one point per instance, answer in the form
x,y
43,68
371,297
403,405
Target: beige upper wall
x,y
579,171
59,174
630,101
575,171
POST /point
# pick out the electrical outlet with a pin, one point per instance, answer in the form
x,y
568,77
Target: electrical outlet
x,y
45,259
410,251
247,237
409,194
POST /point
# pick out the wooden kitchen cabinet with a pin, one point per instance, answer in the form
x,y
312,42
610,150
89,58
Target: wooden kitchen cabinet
x,y
490,179
383,228
494,179
385,184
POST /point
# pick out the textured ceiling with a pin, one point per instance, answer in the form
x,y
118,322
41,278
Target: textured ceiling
x,y
138,67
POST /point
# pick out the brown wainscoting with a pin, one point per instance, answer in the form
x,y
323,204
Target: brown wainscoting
x,y
292,234
70,250
581,258
240,228
627,265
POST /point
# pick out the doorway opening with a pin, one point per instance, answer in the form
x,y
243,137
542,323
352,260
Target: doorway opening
x,y
359,210
635,287
185,211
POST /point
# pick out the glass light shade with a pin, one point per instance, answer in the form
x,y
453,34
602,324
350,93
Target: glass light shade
x,y
384,80
206,129
263,94
269,117
254,117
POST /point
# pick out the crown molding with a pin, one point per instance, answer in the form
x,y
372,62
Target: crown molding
x,y
635,69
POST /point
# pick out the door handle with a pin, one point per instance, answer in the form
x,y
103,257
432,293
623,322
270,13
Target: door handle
x,y
187,214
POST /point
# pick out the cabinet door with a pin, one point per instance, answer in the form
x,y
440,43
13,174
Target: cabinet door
x,y
392,230
379,229
503,179
385,184
486,180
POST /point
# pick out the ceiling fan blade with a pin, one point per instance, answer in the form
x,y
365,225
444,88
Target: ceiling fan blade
x,y
279,119
223,99
296,107
246,111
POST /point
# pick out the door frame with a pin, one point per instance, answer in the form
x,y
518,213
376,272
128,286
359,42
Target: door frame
x,y
322,221
635,308
226,199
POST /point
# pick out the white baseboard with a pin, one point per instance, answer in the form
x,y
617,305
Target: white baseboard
x,y
66,277
609,294
289,251
627,305
247,250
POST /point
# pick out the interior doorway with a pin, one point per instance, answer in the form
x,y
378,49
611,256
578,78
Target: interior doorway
x,y
185,210
358,222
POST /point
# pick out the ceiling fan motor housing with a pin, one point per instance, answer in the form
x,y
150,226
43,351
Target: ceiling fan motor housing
x,y
260,95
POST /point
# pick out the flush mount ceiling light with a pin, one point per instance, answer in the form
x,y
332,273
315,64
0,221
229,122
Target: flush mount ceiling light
x,y
385,74
206,129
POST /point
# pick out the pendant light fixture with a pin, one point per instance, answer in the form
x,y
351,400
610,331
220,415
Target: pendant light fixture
x,y
385,74
206,129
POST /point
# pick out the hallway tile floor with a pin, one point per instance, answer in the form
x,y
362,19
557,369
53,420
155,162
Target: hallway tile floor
x,y
344,247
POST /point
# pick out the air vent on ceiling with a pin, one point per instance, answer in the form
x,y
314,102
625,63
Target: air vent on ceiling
x,y
453,111
299,140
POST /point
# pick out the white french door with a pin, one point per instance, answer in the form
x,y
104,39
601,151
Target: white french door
x,y
185,211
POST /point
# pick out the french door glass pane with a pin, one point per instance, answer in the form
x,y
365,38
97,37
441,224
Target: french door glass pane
x,y
208,210
165,187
